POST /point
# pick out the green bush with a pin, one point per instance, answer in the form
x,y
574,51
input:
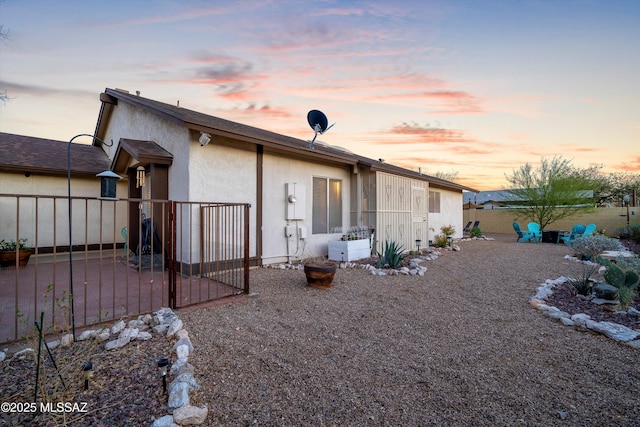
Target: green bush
x,y
584,284
392,256
631,232
625,280
475,232
440,241
594,245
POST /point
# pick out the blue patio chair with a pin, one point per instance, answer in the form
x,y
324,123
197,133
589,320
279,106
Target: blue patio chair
x,y
534,233
124,234
568,236
467,228
589,230
520,233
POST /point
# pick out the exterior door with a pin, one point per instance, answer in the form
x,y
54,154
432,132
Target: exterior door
x,y
419,224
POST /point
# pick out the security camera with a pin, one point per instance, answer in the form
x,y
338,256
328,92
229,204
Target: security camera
x,y
204,139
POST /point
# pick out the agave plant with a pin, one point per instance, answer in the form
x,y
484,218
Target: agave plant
x,y
392,255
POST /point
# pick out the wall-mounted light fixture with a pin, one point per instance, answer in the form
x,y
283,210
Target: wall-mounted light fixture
x,y
204,139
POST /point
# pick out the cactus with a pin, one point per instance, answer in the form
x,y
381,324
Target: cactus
x,y
618,277
392,256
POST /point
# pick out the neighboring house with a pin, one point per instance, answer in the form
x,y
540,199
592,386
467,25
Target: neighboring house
x,y
500,199
301,198
37,166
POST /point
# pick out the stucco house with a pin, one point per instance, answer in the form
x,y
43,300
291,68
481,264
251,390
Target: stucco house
x,y
301,197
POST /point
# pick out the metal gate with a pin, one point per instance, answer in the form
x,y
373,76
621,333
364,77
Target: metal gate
x,y
129,256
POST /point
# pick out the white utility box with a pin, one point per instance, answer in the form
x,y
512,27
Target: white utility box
x,y
349,250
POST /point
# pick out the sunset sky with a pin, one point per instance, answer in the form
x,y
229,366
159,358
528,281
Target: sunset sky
x,y
474,87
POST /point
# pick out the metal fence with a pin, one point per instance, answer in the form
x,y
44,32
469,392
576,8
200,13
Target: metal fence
x,y
126,257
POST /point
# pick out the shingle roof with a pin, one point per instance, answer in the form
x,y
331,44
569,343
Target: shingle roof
x,y
19,153
215,125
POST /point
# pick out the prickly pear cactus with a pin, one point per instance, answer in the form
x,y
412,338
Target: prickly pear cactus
x,y
631,279
614,275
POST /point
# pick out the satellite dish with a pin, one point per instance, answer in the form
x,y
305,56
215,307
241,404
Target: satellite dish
x,y
318,122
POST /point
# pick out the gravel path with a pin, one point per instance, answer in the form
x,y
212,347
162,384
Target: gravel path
x,y
459,346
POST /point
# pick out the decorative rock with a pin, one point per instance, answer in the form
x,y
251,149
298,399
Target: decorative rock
x,y
129,333
23,352
53,344
164,316
117,327
182,351
634,344
186,377
614,331
606,291
117,343
103,336
137,324
87,335
147,318
166,421
175,326
581,319
184,341
601,301
160,329
66,340
178,395
3,356
190,415
556,314
143,336
178,365
567,321
633,311
182,333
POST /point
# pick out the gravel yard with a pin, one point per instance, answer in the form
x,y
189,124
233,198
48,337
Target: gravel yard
x,y
459,346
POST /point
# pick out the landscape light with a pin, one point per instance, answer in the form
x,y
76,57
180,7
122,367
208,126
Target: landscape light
x,y
162,367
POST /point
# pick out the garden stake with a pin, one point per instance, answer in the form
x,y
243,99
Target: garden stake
x,y
53,360
35,391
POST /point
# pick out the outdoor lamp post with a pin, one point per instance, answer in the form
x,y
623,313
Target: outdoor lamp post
x,y
73,315
418,244
449,240
162,367
87,372
626,199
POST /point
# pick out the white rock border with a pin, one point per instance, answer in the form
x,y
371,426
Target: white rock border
x,y
582,321
181,412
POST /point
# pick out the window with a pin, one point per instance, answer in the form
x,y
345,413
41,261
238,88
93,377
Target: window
x,y
434,202
327,205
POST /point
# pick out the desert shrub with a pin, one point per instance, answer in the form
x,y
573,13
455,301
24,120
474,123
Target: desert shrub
x,y
448,230
475,232
594,245
584,284
440,241
392,256
631,232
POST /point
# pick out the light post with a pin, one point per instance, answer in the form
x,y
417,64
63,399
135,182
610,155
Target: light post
x,y
626,199
73,315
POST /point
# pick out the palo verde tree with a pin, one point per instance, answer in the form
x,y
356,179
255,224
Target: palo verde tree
x,y
552,191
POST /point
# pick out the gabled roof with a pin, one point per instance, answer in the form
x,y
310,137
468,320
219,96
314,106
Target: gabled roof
x,y
270,140
144,152
27,154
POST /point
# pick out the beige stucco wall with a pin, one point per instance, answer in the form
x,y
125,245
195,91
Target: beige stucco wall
x,y
501,220
38,215
278,171
450,213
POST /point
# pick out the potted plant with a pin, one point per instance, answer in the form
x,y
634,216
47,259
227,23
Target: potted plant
x,y
9,250
319,272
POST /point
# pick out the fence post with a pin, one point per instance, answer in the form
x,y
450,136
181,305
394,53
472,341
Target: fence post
x,y
172,256
246,248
